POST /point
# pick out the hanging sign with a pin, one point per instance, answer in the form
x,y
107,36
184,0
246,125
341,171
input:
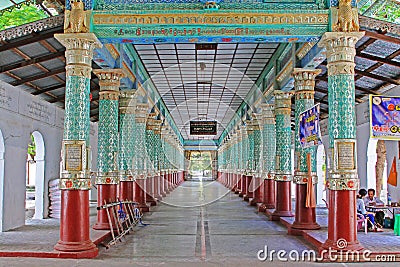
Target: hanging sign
x,y
309,130
384,117
203,127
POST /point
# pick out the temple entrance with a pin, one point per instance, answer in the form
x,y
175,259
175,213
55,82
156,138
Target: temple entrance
x,y
200,167
35,177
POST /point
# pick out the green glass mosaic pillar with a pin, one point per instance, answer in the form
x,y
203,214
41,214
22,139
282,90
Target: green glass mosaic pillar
x,y
243,131
75,165
305,218
157,153
283,170
256,168
239,155
107,146
269,153
342,181
250,160
139,185
151,159
127,103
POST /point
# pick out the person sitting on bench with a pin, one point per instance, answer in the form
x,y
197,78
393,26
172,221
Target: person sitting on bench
x,y
361,211
372,200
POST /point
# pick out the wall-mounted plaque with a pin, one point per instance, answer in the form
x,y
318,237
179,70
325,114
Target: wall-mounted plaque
x,y
203,127
73,157
345,155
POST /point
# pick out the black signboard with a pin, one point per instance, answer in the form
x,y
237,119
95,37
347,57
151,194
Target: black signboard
x,y
203,127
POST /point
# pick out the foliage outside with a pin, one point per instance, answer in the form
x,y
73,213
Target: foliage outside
x,y
200,161
23,15
388,11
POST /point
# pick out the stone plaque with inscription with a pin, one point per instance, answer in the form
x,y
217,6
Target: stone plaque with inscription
x,y
73,157
345,155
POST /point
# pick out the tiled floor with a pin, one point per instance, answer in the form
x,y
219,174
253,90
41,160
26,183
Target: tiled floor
x,y
198,224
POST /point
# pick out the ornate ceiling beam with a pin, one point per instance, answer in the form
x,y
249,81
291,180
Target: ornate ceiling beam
x,y
379,59
48,89
38,77
32,61
34,38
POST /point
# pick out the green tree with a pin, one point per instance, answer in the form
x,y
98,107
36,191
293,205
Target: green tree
x,y
19,16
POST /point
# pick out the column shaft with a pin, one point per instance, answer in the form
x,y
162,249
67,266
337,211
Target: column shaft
x,y
283,173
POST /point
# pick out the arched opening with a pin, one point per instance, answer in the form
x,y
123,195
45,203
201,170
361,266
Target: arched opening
x,y
34,203
2,150
376,163
321,173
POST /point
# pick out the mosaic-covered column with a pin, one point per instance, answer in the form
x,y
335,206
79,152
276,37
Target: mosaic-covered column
x,y
157,153
107,146
342,181
269,153
150,142
139,185
250,160
127,103
75,167
238,151
304,83
243,130
257,183
283,171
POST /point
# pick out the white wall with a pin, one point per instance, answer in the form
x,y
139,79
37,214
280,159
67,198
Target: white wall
x,y
363,134
20,115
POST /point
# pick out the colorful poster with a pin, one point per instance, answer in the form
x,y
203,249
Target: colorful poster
x,y
384,117
309,131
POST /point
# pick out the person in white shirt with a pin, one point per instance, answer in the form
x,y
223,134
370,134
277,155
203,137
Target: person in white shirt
x,y
372,200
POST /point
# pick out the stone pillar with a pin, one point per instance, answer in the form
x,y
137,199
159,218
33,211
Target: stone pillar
x,y
305,218
342,181
127,122
75,167
283,173
269,152
139,185
107,147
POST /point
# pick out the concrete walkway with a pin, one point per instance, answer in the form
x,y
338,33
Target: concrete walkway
x,y
198,224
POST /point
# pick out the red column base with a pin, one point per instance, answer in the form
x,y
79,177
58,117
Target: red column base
x,y
258,192
283,201
108,193
342,221
305,217
86,247
74,224
269,194
126,190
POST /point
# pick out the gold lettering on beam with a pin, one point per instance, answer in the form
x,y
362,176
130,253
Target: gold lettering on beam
x,y
185,19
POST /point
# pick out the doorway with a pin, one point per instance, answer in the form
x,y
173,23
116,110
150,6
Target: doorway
x,y
35,164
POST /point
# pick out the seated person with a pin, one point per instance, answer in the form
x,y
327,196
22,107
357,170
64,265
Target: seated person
x,y
361,211
371,200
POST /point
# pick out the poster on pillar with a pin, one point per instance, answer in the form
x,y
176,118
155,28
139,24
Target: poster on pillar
x,y
384,117
309,130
